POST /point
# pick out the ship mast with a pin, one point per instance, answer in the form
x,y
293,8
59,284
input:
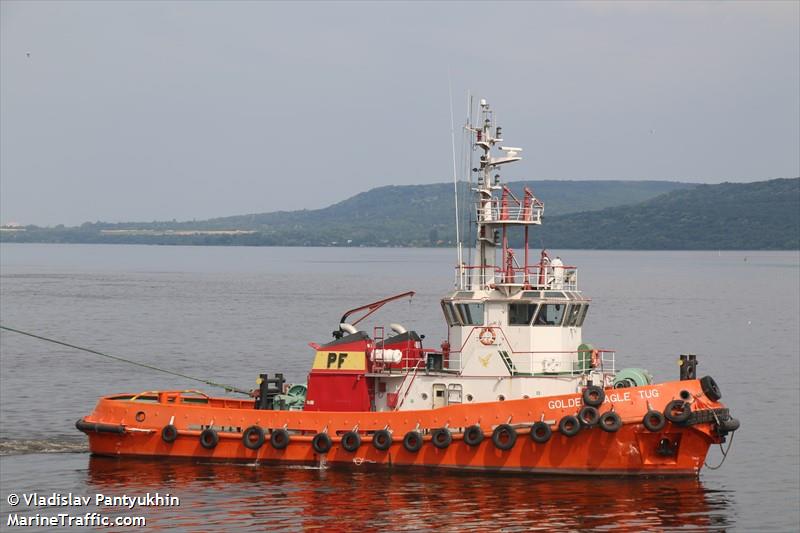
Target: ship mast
x,y
494,217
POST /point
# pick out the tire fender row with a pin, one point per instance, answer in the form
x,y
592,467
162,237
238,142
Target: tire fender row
x,y
503,437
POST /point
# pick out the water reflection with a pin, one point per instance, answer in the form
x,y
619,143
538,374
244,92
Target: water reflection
x,y
283,498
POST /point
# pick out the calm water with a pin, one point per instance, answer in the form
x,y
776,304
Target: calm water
x,y
229,313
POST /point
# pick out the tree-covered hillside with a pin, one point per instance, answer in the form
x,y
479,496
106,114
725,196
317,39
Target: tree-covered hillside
x,y
411,215
761,215
659,215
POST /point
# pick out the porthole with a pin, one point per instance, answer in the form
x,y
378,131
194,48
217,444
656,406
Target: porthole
x,y
469,397
424,395
501,398
525,396
140,416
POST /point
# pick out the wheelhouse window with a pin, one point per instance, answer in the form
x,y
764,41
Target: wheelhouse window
x,y
573,312
470,314
582,315
521,314
550,315
575,315
449,314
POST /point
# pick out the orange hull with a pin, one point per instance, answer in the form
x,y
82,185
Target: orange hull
x,y
632,450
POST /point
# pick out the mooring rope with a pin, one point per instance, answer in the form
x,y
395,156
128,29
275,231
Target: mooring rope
x,y
228,388
724,452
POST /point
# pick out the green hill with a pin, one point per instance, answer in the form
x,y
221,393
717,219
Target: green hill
x,y
412,215
578,214
760,215
433,204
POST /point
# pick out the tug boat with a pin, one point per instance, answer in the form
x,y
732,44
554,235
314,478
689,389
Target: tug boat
x,y
513,388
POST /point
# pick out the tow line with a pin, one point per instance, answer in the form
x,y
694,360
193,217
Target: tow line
x,y
228,388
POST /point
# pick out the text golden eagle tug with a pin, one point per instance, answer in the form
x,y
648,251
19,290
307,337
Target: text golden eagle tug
x,y
513,388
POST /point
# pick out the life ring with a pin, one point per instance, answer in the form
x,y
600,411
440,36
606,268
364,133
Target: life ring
x,y
504,437
209,438
169,433
321,443
487,336
610,422
351,441
253,437
473,435
541,432
412,441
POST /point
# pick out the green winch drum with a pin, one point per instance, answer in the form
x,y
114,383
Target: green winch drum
x,y
632,377
293,400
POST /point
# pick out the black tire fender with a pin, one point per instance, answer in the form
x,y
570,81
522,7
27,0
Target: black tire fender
x,y
541,432
321,443
569,425
504,437
412,441
654,421
351,441
209,438
473,435
249,433
677,411
588,416
710,388
169,433
594,396
441,438
382,440
610,422
279,439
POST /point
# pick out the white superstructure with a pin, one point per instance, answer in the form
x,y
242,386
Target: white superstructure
x,y
514,328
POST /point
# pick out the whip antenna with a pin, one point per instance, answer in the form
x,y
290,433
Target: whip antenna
x,y
455,183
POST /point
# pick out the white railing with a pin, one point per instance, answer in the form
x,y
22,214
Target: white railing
x,y
531,278
538,363
549,363
450,361
497,213
453,362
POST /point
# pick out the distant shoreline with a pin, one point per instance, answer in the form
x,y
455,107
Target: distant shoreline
x,y
608,215
362,247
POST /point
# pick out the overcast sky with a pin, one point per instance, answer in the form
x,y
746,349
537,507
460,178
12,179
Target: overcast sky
x,y
121,111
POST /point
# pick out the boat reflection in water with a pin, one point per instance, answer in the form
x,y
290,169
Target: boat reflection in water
x,y
226,496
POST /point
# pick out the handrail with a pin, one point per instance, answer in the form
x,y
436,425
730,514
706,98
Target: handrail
x,y
537,277
408,389
158,393
496,212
